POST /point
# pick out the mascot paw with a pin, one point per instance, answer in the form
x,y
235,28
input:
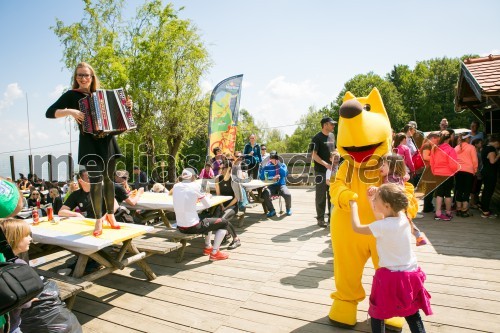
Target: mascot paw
x,y
394,324
343,314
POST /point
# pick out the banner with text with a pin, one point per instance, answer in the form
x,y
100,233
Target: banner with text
x,y
223,116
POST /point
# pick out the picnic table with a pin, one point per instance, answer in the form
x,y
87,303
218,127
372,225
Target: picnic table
x,y
75,235
161,202
158,203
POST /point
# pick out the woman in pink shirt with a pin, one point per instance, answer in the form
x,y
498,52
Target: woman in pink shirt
x,y
444,163
467,158
402,149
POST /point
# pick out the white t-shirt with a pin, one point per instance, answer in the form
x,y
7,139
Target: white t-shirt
x,y
185,196
393,235
333,171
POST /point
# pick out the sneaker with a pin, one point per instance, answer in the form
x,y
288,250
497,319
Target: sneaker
x,y
234,244
465,213
419,216
450,216
289,212
321,223
225,240
218,256
421,241
442,217
271,213
207,251
488,215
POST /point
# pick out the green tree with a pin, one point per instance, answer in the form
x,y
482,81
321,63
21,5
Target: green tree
x,y
428,91
159,58
362,84
275,140
246,127
310,124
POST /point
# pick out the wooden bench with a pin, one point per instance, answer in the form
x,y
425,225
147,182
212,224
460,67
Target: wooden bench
x,y
68,286
175,236
155,245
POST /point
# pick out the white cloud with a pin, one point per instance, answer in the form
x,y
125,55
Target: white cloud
x,y
12,93
281,89
57,92
206,86
246,84
283,102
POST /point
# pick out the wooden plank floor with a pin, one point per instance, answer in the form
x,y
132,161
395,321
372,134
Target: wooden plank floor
x,y
280,280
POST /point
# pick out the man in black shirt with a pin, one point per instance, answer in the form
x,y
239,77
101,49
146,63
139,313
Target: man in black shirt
x,y
322,145
122,192
79,198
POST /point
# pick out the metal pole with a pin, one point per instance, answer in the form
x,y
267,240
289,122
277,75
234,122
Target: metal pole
x,y
12,168
29,134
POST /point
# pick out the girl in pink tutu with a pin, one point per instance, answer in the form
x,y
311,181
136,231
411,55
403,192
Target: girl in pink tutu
x,y
398,285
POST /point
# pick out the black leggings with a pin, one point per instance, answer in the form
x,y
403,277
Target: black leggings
x,y
227,215
414,321
100,173
463,186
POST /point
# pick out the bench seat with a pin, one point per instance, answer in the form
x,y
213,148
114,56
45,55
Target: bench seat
x,y
68,286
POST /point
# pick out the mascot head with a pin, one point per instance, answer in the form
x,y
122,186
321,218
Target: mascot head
x,y
364,131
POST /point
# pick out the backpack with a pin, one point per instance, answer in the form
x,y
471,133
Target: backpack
x,y
19,283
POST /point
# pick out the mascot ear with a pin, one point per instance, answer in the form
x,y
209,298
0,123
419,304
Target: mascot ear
x,y
348,95
375,101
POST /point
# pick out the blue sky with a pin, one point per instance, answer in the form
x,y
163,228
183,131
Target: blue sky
x,y
293,54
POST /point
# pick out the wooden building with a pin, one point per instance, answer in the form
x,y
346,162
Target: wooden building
x,y
479,91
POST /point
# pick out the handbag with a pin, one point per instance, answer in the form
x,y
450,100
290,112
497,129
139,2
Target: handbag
x,y
418,162
19,283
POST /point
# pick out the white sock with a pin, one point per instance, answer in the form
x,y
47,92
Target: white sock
x,y
219,236
208,239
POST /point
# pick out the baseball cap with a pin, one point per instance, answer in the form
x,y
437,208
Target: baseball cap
x,y
187,174
327,120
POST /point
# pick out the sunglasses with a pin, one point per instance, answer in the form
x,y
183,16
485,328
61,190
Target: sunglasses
x,y
124,178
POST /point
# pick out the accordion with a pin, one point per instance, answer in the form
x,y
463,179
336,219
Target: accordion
x,y
106,113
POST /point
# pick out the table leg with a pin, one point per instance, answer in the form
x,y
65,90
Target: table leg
x,y
180,252
150,275
80,265
164,218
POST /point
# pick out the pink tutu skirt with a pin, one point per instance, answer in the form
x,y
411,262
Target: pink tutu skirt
x,y
398,294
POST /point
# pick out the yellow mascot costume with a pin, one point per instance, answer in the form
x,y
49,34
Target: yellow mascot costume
x,y
364,136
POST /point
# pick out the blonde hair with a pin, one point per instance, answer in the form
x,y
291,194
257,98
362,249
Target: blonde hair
x,y
15,230
94,85
158,188
393,195
54,192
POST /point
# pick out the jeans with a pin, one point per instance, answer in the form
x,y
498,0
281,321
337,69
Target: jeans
x,y
322,196
281,190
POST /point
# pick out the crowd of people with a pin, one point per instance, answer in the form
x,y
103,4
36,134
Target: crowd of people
x,y
457,163
466,165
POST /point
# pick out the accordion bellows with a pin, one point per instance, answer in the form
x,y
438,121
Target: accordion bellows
x,y
106,113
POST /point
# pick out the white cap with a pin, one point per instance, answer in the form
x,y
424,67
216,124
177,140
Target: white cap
x,y
188,173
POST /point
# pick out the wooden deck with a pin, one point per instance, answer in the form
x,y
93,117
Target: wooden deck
x,y
281,277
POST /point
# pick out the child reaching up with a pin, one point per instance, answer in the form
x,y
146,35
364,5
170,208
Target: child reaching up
x,y
393,170
398,285
330,173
